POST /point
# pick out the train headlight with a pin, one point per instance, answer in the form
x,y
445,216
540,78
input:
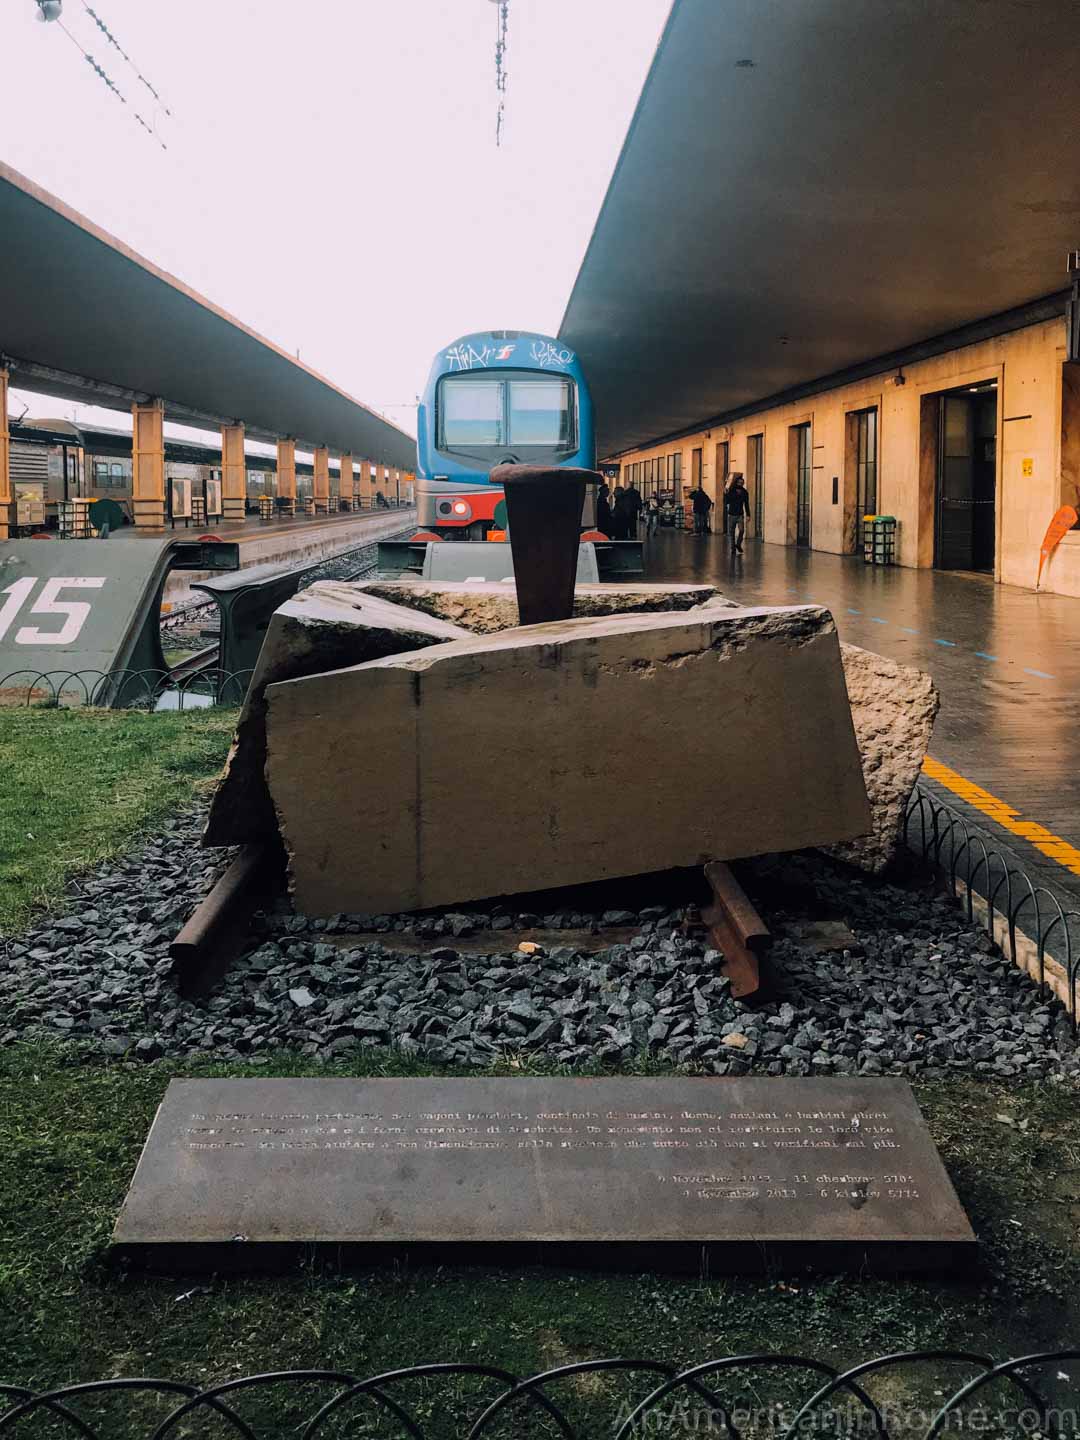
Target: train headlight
x,y
460,508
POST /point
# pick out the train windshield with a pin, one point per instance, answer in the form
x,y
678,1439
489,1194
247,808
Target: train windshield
x,y
473,412
477,412
540,412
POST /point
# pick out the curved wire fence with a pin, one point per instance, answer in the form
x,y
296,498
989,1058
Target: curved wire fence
x,y
943,837
923,1394
125,689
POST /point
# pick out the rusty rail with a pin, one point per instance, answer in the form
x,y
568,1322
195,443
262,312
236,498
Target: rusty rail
x,y
738,931
218,927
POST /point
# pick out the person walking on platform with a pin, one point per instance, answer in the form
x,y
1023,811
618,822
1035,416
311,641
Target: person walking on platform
x,y
702,505
737,505
652,514
603,511
633,510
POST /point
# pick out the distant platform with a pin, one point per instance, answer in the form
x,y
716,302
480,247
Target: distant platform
x,y
269,542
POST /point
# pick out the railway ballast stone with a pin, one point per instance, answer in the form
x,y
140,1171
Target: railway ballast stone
x,y
485,609
327,627
893,708
480,768
921,992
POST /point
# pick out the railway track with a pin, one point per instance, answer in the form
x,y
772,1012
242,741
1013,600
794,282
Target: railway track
x,y
355,564
205,659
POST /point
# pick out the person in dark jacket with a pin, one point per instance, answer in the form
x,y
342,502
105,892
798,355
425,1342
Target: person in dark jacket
x,y
702,505
620,515
603,511
633,510
737,505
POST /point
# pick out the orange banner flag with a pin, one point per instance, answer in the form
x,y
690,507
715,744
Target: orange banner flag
x,y
1060,525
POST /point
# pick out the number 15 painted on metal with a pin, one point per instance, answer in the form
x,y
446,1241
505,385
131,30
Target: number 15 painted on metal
x,y
74,611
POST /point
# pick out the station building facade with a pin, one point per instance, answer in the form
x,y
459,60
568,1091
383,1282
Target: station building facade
x,y
972,449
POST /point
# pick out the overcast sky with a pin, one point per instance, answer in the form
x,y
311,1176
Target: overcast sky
x,y
331,176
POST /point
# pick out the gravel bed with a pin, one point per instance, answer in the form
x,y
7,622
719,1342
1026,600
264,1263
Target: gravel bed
x,y
921,993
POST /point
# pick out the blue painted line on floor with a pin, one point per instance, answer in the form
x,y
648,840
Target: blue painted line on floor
x,y
1040,673
908,630
984,656
945,642
854,612
878,620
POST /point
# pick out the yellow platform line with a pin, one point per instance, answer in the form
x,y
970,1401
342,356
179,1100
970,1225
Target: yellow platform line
x,y
1050,845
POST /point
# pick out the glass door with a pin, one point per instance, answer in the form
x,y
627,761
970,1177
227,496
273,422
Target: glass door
x,y
755,478
964,536
866,447
721,477
803,475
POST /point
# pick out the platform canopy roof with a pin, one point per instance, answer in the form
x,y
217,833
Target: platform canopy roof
x,y
85,318
809,185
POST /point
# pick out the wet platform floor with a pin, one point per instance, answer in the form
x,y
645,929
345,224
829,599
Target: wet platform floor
x,y
1006,662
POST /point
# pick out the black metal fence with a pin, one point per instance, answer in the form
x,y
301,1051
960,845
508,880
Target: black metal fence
x,y
133,689
943,837
740,1396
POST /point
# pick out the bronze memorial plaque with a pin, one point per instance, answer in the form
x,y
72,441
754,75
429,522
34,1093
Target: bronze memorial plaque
x,y
712,1175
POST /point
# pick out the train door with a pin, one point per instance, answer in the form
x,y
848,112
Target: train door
x,y
965,532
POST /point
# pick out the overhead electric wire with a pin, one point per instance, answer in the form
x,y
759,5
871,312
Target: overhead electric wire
x,y
111,85
100,23
501,24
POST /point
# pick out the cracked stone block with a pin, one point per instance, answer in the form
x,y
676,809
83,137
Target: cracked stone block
x,y
326,627
512,762
487,608
893,708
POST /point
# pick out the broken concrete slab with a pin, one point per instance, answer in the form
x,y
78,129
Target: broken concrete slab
x,y
487,608
893,708
496,764
326,627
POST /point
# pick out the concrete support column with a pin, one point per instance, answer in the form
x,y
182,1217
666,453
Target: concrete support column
x,y
233,473
321,488
345,489
286,469
148,464
7,499
367,490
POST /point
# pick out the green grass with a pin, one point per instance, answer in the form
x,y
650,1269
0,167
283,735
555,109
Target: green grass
x,y
78,783
70,1134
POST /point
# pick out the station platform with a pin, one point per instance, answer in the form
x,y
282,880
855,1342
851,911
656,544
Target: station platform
x,y
1005,660
251,528
275,542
